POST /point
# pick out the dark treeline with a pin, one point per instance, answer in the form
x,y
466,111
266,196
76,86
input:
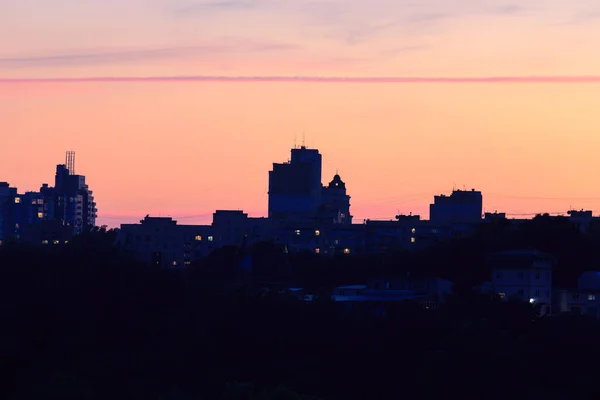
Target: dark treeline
x,y
88,322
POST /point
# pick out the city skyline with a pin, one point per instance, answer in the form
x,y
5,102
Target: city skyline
x,y
187,147
201,219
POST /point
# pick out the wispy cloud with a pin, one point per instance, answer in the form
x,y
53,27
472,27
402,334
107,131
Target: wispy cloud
x,y
315,79
508,9
95,56
211,6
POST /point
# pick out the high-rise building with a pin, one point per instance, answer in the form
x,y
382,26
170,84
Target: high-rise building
x,y
295,187
8,198
72,200
51,215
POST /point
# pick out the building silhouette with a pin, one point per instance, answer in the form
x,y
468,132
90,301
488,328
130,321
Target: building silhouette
x,y
462,206
52,215
295,188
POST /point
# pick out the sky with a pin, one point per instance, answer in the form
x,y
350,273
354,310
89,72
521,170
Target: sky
x,y
180,107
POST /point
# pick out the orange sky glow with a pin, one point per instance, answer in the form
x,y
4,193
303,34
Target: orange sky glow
x,y
184,148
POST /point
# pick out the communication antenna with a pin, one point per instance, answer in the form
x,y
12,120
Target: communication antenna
x,y
453,186
70,162
295,140
303,139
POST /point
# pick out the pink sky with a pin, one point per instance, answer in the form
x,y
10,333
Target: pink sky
x,y
188,147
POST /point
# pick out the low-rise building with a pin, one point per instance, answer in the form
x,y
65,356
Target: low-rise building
x,y
525,276
584,299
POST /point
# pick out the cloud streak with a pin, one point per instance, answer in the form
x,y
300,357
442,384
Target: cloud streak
x,y
309,79
136,55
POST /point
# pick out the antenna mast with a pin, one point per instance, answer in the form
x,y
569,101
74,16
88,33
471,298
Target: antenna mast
x,y
70,161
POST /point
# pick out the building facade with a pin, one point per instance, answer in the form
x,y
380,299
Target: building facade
x,y
524,276
52,215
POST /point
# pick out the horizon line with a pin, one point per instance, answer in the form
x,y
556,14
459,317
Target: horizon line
x,y
310,79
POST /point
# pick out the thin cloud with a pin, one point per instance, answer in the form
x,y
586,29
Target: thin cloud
x,y
314,79
508,9
225,5
136,55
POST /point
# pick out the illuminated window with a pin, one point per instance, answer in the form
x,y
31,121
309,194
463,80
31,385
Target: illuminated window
x,y
16,226
336,241
317,250
56,242
33,201
502,295
40,215
174,263
17,200
40,201
297,231
0,242
210,238
413,230
66,241
317,233
412,240
44,242
187,262
346,251
591,297
198,238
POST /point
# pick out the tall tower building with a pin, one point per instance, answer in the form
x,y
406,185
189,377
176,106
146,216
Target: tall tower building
x,y
72,200
295,187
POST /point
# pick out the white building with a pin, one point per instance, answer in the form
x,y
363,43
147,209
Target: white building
x,y
584,299
524,275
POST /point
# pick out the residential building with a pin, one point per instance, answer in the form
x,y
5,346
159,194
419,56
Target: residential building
x,y
462,206
524,276
584,299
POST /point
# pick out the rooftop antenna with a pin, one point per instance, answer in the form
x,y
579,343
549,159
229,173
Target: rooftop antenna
x,y
453,186
70,161
295,140
303,139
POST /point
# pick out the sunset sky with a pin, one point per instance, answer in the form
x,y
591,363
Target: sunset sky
x,y
150,142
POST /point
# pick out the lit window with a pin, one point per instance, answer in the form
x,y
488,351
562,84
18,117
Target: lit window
x,y
210,238
317,250
532,301
413,230
66,241
198,238
56,242
502,295
297,231
0,242
33,201
187,262
174,263
317,233
591,297
40,201
16,226
412,240
346,251
336,241
17,200
44,242
40,215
